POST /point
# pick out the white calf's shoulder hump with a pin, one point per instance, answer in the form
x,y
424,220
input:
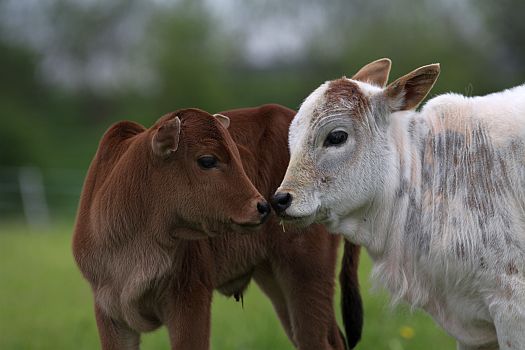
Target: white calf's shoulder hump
x,y
501,114
502,101
444,102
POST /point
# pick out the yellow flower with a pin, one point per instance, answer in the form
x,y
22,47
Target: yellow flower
x,y
407,332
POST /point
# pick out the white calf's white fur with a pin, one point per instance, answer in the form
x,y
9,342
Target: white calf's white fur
x,y
437,197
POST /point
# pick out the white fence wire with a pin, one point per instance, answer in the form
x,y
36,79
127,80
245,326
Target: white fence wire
x,y
39,196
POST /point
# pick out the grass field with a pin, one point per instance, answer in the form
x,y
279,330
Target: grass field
x,y
45,304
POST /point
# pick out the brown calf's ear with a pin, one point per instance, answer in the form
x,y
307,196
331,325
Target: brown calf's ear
x,y
166,138
408,91
375,73
224,120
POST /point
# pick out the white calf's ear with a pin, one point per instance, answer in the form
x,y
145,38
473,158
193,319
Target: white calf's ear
x,y
166,138
224,120
375,73
408,91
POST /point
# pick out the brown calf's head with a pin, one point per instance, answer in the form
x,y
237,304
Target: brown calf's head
x,y
199,178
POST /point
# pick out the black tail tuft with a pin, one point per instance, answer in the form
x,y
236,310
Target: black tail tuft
x,y
351,305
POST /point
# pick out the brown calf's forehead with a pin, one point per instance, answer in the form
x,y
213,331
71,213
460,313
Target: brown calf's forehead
x,y
192,115
202,132
197,125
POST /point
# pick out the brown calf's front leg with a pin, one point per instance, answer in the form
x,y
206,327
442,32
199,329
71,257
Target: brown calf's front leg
x,y
115,335
188,319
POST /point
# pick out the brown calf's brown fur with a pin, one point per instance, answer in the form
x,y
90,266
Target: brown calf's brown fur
x,y
147,215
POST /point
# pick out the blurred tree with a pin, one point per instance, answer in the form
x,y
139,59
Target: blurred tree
x,y
87,64
21,95
507,52
189,68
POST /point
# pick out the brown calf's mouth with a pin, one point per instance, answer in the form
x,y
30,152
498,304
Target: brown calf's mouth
x,y
246,226
251,224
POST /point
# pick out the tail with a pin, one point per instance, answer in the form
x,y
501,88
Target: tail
x,y
351,305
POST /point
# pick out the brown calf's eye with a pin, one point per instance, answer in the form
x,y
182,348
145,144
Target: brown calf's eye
x,y
207,162
335,138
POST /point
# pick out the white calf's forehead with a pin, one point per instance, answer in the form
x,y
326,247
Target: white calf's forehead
x,y
367,89
333,97
303,119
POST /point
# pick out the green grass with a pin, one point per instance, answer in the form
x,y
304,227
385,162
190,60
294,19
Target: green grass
x,y
45,304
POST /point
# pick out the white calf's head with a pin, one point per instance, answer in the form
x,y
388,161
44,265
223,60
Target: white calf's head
x,y
339,145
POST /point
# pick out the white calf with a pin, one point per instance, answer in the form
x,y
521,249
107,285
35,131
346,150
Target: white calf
x,y
437,197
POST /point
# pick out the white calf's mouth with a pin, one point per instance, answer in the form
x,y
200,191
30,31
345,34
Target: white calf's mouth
x,y
286,217
300,221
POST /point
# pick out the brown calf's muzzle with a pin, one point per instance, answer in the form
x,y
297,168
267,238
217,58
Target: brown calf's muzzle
x,y
252,216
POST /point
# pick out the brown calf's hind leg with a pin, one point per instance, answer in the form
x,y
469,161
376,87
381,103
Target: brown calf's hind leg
x,y
306,276
265,279
310,301
115,335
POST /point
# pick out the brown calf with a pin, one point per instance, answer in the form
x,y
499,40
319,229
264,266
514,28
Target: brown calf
x,y
150,193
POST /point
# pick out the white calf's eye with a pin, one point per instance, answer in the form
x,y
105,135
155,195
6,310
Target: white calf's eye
x,y
335,138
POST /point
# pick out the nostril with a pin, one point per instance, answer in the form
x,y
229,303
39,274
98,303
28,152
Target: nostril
x,y
263,208
281,201
284,198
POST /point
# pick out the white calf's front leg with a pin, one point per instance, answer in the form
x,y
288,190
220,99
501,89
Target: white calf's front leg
x,y
508,313
510,326
461,346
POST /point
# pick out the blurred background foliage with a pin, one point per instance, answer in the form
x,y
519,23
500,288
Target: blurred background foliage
x,y
71,68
